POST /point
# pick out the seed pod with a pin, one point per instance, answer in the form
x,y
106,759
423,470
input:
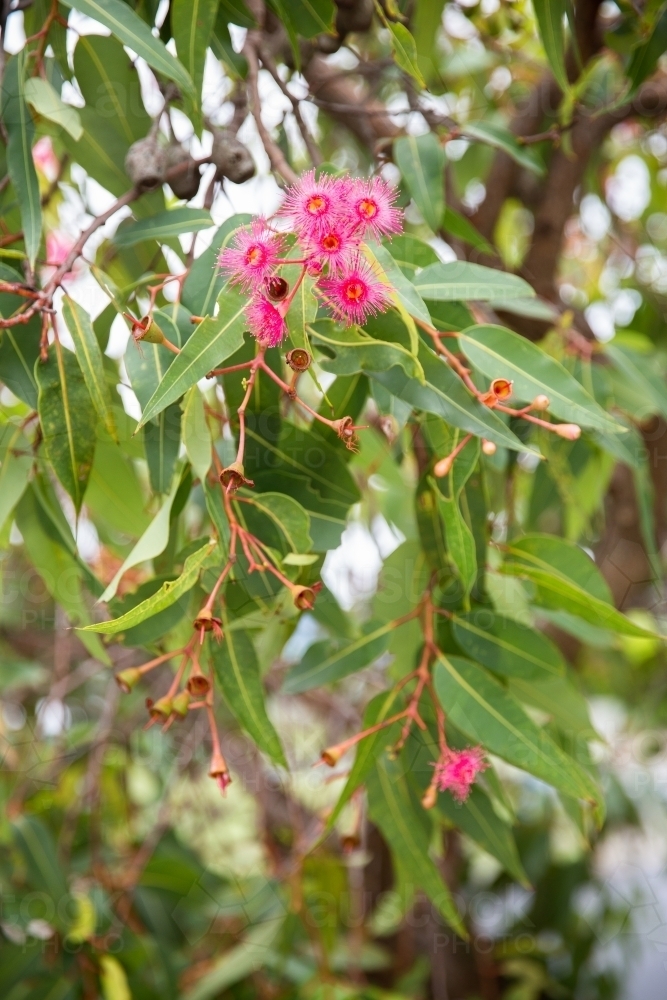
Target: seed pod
x,y
231,158
145,163
127,679
185,182
276,288
501,388
234,476
298,359
443,467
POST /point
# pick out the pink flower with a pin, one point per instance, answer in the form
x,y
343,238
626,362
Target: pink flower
x,y
266,323
371,206
311,206
58,245
335,245
253,256
458,769
45,159
356,294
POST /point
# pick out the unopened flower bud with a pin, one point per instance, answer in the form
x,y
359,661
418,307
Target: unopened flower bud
x,y
443,467
276,289
571,432
430,797
489,447
540,402
127,679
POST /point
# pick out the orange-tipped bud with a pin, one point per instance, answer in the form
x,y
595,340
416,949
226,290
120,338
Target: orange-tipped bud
x,y
332,755
501,388
443,466
219,771
181,703
489,447
127,679
540,403
571,432
430,797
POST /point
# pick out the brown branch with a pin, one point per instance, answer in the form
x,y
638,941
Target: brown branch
x,y
273,150
308,139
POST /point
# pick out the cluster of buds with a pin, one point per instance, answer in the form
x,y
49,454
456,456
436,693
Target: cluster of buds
x,y
330,217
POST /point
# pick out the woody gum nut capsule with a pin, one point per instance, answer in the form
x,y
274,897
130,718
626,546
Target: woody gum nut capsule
x,y
332,755
304,597
162,708
298,359
181,703
488,447
185,180
541,403
277,288
234,476
231,158
145,163
198,685
147,331
571,432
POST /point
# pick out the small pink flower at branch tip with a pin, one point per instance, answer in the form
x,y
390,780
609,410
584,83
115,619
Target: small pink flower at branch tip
x,y
457,771
356,294
45,159
253,256
267,324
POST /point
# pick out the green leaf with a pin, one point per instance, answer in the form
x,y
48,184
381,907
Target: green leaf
x,y
549,15
645,56
152,543
557,593
237,672
477,818
286,516
499,353
164,226
45,873
460,281
214,340
47,102
110,86
421,160
14,475
481,708
100,151
309,18
162,442
196,433
191,23
236,12
113,491
558,698
302,311
641,374
20,166
90,360
168,594
445,395
405,51
406,296
410,253
19,350
401,822
501,138
320,665
460,542
506,647
548,552
67,417
355,351
129,29
459,226
238,962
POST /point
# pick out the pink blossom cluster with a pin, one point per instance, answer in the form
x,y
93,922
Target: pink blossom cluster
x,y
457,770
330,218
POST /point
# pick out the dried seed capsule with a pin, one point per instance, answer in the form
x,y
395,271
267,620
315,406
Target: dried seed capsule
x,y
298,359
145,163
234,476
231,158
277,288
185,180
